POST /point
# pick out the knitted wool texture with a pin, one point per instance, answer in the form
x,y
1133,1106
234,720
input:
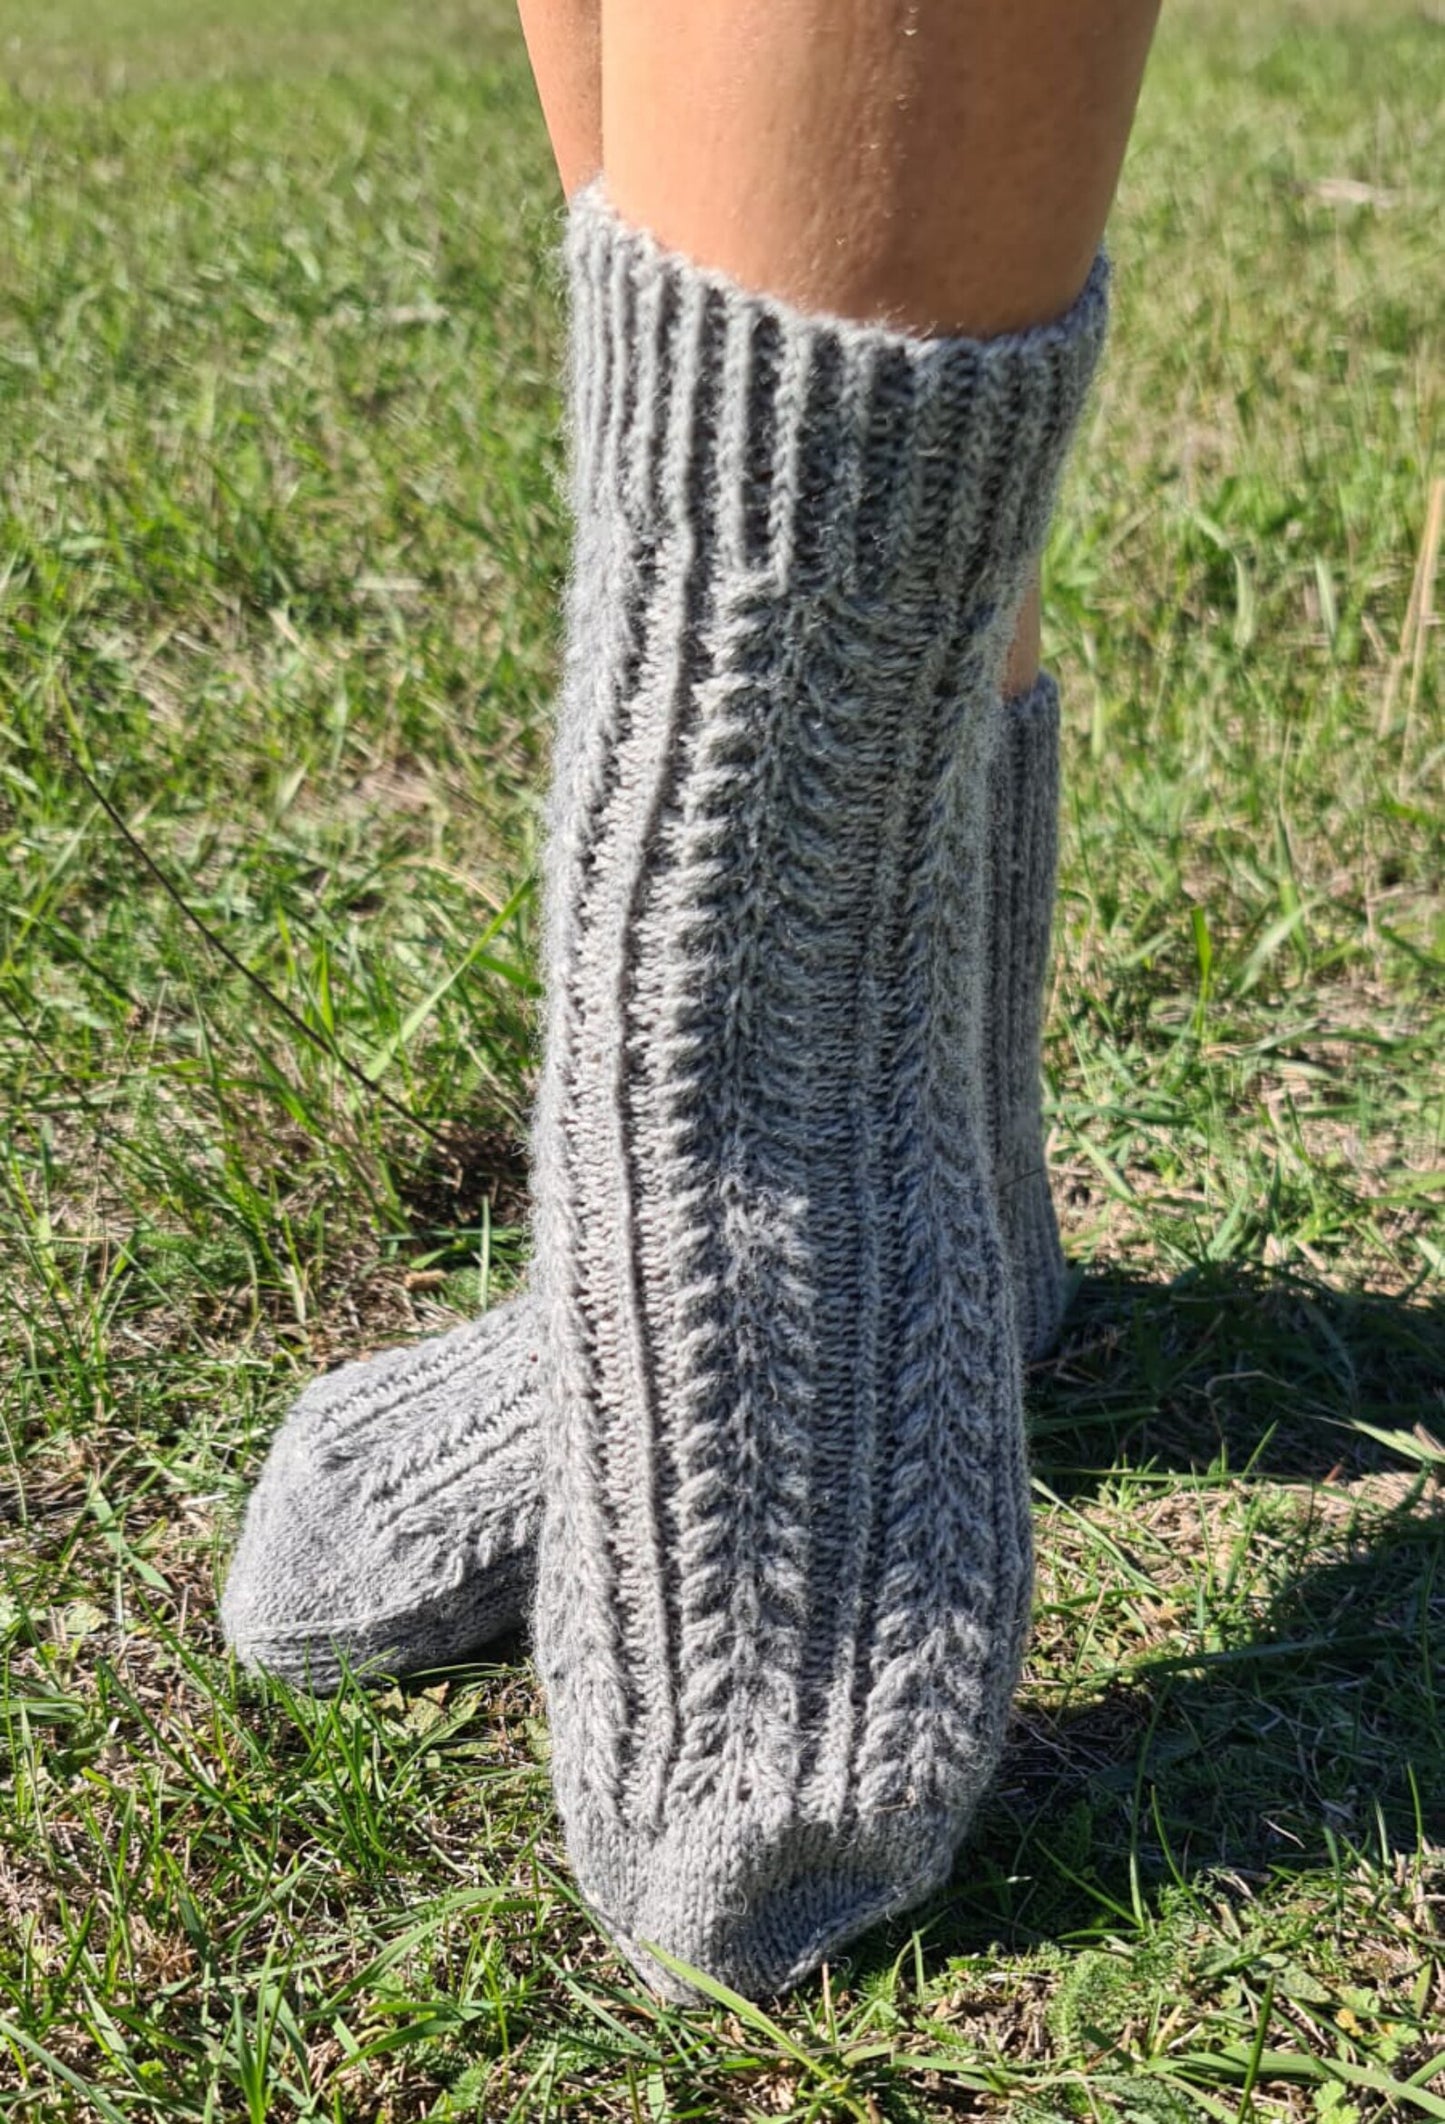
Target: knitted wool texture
x,y
394,1524
784,1570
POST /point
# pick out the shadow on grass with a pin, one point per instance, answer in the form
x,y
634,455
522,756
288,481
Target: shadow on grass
x,y
1252,1372
1317,1731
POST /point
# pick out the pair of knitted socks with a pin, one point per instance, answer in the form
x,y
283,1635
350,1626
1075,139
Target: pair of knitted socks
x,y
759,1419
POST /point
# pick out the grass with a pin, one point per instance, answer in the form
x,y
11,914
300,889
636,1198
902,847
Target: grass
x,y
279,546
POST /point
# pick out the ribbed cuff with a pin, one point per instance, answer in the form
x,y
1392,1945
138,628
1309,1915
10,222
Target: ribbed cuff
x,y
824,455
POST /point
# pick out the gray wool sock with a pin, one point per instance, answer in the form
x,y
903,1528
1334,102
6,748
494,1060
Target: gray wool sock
x,y
784,1575
314,1579
394,1522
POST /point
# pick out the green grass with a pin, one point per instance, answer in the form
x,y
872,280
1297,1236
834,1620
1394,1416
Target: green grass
x,y
279,545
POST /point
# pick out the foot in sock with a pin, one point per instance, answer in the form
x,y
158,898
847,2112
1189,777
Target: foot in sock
x,y
394,1523
784,1572
317,1575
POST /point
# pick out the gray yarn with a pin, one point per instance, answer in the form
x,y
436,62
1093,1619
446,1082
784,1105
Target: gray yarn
x,y
298,1604
394,1522
1023,833
784,1572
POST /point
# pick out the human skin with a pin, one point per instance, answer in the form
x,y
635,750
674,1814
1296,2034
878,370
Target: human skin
x,y
942,165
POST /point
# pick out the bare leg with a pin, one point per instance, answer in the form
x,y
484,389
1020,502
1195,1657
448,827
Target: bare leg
x,y
945,165
564,44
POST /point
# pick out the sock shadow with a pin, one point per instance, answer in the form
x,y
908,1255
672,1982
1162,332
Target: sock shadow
x,y
1314,1724
1263,1374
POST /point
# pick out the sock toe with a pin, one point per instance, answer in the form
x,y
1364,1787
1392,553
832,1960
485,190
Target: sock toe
x,y
757,1901
393,1523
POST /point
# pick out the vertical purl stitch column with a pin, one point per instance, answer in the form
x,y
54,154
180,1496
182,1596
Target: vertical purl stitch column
x,y
785,1562
1023,832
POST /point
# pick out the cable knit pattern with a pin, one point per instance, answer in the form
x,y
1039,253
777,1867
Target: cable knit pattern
x,y
394,1522
446,1434
785,1566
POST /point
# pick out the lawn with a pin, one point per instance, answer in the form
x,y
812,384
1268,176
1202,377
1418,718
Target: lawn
x,y
280,540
